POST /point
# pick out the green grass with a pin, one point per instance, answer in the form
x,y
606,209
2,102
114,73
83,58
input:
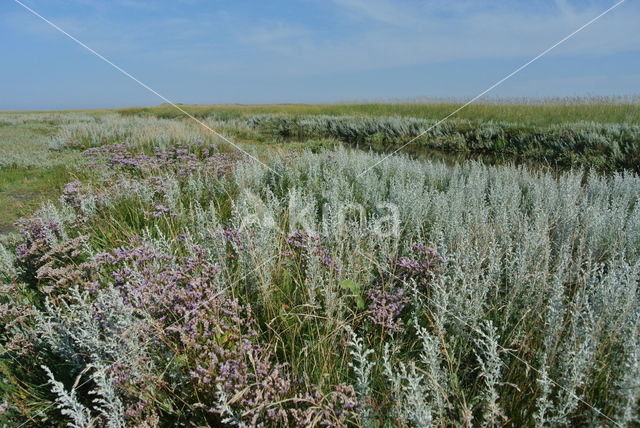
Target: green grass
x,y
25,144
23,190
30,173
524,114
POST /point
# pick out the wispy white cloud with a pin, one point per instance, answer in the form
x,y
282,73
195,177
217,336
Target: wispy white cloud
x,y
404,33
366,34
565,8
274,35
382,11
21,22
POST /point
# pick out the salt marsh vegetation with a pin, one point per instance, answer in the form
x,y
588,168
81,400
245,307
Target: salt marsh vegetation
x,y
179,282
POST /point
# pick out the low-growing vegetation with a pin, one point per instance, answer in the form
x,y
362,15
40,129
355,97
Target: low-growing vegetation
x,y
30,172
603,146
179,282
523,111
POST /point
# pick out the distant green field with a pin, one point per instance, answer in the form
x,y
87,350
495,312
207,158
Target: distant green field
x,y
523,114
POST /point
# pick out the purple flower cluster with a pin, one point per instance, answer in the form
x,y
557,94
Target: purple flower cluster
x,y
305,244
159,210
162,284
181,160
71,194
15,314
37,236
213,334
235,237
206,341
385,308
421,266
49,260
215,339
143,411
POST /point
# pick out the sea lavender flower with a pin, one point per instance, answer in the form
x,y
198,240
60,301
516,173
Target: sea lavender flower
x,y
385,308
303,240
337,409
159,210
181,161
421,265
215,334
70,193
46,256
304,244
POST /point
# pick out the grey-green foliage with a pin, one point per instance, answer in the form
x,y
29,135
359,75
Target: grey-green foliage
x,y
432,362
24,140
606,146
14,119
107,399
106,402
491,367
544,265
92,334
67,402
410,392
362,366
158,134
551,261
7,267
74,332
351,129
628,384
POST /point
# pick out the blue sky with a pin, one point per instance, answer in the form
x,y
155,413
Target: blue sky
x,y
270,51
